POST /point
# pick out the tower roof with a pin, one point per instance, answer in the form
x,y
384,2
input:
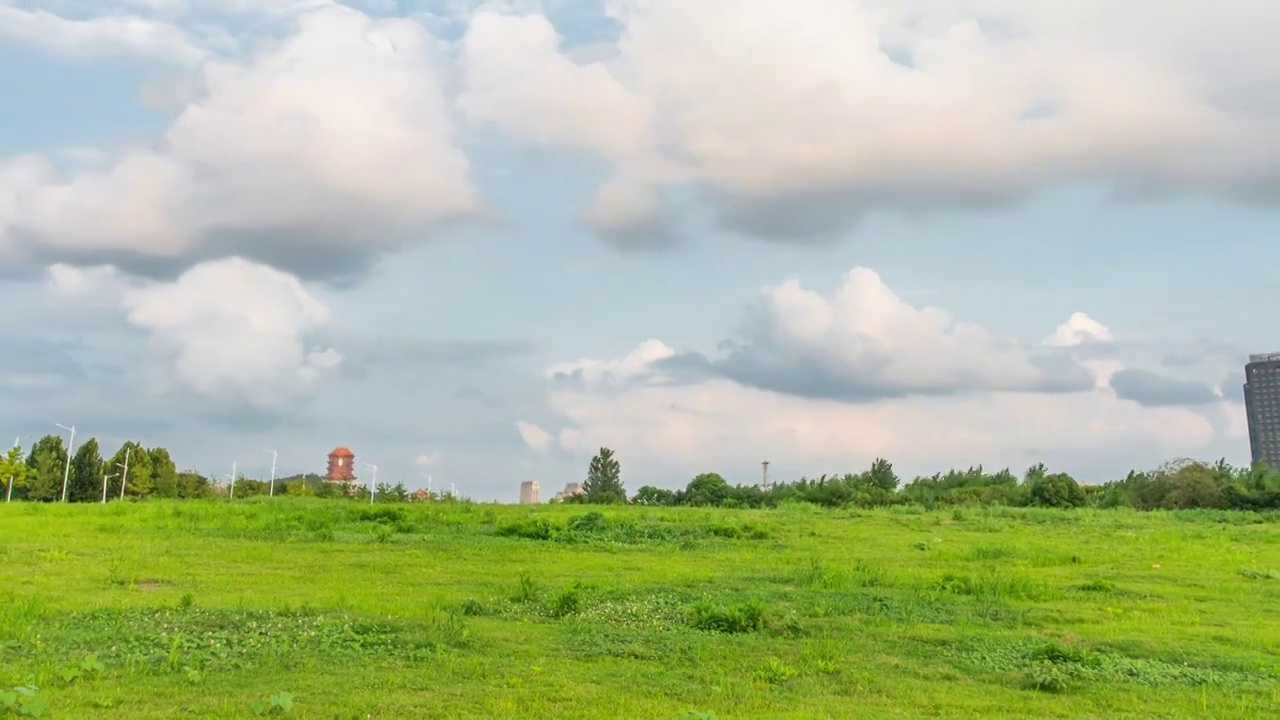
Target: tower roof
x,y
342,451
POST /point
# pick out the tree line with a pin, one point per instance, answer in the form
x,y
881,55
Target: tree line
x,y
135,471
1181,484
42,475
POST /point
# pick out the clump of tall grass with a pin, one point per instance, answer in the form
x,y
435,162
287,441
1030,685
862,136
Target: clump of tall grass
x,y
991,586
733,619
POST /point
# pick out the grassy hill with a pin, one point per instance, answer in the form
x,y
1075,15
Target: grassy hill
x,y
342,610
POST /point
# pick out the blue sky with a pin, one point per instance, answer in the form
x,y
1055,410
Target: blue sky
x,y
480,240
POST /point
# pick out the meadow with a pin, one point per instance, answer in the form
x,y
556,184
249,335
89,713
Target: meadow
x,y
313,609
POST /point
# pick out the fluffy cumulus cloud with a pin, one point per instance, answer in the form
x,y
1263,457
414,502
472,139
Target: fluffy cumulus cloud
x,y
844,107
829,383
315,155
865,343
232,331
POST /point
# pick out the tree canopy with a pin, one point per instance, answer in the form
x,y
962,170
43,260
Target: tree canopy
x,y
603,485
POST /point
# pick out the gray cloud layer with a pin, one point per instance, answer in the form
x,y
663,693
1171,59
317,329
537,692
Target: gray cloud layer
x,y
1155,390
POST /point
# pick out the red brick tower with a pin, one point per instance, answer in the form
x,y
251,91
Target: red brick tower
x,y
341,465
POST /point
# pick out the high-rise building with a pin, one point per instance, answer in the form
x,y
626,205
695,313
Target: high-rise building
x,y
1262,406
570,490
528,493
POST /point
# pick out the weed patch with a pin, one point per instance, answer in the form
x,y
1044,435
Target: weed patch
x,y
167,640
740,618
1051,666
597,528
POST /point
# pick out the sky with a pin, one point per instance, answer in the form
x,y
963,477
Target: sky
x,y
477,241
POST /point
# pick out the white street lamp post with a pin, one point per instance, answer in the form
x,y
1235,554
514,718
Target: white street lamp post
x,y
272,491
105,477
124,474
232,494
372,481
71,446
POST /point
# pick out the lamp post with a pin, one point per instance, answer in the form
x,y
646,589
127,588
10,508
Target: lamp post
x,y
232,494
372,481
272,491
71,445
17,442
428,477
124,474
105,477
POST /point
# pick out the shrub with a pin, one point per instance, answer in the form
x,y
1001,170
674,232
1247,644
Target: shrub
x,y
531,529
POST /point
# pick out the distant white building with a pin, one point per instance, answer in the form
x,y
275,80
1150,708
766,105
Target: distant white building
x,y
529,493
570,490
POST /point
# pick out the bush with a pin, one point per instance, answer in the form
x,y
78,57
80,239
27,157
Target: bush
x,y
531,529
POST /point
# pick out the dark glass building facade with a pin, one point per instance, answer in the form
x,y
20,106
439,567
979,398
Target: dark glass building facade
x,y
1262,404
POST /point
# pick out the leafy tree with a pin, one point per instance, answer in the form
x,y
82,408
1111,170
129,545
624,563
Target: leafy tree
x,y
298,488
1034,474
1058,490
164,473
138,483
85,482
47,463
192,484
707,489
13,467
603,485
650,495
882,475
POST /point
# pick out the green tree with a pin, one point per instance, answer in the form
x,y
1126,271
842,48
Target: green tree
x,y
164,473
138,483
603,485
85,483
46,464
1058,490
192,484
650,495
882,475
298,487
13,472
707,489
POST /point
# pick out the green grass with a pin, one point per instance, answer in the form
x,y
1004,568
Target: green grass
x,y
327,609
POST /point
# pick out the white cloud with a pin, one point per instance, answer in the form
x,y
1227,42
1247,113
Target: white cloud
x,y
228,330
112,35
427,460
864,334
1077,330
322,151
599,374
816,124
864,342
533,436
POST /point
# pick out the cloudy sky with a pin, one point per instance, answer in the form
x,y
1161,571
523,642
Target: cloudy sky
x,y
479,240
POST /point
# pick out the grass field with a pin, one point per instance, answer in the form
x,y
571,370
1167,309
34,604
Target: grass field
x,y
338,610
